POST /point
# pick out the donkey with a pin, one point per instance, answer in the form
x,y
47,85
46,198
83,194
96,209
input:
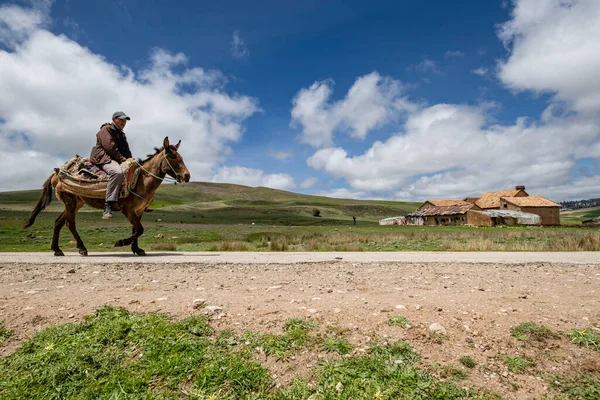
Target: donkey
x,y
165,161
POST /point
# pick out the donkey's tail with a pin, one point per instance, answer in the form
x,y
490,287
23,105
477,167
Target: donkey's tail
x,y
44,200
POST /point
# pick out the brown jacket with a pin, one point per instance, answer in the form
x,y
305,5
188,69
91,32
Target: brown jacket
x,y
111,144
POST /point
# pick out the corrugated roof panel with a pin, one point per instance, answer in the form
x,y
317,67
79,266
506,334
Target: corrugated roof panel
x,y
447,210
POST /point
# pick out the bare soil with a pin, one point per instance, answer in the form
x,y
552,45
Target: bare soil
x,y
477,304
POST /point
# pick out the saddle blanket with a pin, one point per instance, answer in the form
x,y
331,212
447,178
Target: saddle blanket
x,y
81,177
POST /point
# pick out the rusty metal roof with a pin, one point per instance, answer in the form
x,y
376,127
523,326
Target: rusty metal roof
x,y
445,203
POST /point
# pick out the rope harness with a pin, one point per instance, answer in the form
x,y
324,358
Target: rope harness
x,y
166,178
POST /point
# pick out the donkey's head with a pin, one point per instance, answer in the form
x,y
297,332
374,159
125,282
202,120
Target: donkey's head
x,y
173,162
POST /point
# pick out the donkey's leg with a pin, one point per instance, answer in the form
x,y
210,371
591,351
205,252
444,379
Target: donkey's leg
x,y
138,231
58,224
126,241
123,242
129,240
73,208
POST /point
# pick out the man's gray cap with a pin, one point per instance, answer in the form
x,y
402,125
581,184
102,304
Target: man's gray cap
x,y
120,115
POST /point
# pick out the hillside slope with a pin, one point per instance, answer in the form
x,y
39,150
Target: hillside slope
x,y
225,199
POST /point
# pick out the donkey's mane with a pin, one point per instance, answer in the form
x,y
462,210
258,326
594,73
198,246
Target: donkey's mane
x,y
157,151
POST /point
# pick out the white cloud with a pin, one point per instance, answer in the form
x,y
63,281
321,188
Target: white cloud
x,y
238,47
308,183
427,66
342,193
56,94
454,53
16,23
554,48
481,71
280,155
452,151
253,177
371,102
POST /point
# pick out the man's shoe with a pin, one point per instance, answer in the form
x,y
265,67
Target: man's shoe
x,y
107,211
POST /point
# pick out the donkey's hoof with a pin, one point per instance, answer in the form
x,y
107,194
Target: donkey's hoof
x,y
59,253
140,252
119,243
83,252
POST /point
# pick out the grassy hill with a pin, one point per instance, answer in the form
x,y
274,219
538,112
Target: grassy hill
x,y
229,203
578,216
202,216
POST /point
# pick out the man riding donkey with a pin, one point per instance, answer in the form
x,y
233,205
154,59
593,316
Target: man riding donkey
x,y
110,151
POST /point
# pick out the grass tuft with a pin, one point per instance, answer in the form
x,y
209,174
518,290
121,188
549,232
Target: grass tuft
x,y
5,333
580,387
382,374
517,364
584,337
164,246
450,372
298,324
398,320
337,345
530,330
297,337
467,362
438,337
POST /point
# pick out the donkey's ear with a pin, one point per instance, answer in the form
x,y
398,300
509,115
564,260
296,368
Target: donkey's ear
x,y
177,145
166,144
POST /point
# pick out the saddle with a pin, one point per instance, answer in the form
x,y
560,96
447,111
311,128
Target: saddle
x,y
81,177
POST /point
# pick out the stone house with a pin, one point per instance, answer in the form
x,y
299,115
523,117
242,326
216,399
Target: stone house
x,y
458,212
548,210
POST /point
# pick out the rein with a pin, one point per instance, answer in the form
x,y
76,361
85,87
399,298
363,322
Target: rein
x,y
166,178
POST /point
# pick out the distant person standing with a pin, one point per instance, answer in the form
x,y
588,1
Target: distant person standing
x,y
110,151
354,219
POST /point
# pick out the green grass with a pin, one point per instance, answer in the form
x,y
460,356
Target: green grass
x,y
398,320
221,217
450,372
582,387
5,333
117,354
467,362
578,216
297,337
337,345
517,364
386,372
530,330
584,337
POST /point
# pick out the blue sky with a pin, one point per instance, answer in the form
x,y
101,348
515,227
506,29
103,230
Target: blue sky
x,y
399,100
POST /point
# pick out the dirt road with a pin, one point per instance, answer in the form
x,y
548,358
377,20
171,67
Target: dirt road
x,y
303,257
476,297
